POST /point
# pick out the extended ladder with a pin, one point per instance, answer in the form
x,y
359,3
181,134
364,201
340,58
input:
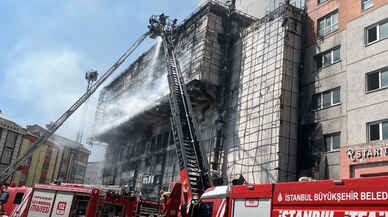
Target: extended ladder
x,y
7,172
193,164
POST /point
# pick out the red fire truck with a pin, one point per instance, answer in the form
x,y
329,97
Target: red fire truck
x,y
70,200
364,197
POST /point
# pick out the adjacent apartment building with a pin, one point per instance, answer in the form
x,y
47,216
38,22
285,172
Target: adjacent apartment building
x,y
58,158
344,94
11,135
42,166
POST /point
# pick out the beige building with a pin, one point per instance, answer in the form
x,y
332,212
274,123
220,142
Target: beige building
x,y
71,159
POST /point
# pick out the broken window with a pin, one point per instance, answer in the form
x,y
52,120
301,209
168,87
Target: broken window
x,y
378,130
376,80
326,99
328,24
332,141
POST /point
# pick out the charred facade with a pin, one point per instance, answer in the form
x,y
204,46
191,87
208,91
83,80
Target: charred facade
x,y
242,77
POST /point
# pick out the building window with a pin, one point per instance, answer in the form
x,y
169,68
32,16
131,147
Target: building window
x,y
11,139
6,156
328,24
377,80
9,147
326,99
366,4
377,32
378,130
321,1
332,142
328,57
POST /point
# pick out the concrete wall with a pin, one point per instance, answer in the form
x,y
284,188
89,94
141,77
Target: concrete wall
x,y
364,107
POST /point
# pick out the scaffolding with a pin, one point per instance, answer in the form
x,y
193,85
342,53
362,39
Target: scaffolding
x,y
263,112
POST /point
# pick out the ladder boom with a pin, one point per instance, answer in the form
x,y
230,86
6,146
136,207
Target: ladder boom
x,y
7,172
194,167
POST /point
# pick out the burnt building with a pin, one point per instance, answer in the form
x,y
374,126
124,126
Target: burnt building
x,y
241,74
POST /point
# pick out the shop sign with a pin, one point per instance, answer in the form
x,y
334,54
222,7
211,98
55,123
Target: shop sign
x,y
366,153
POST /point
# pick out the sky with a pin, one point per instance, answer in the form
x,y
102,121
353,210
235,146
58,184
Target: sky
x,y
46,47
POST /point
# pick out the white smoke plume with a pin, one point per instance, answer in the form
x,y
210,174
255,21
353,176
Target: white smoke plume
x,y
139,99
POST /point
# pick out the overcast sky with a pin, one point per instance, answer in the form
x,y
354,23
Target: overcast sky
x,y
46,46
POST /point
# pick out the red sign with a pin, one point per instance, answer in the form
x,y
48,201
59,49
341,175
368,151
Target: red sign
x,y
61,208
41,204
251,203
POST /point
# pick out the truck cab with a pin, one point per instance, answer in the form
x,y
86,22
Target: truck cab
x,y
12,197
237,201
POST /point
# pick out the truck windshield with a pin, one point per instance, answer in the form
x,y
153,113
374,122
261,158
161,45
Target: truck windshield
x,y
205,209
80,206
111,210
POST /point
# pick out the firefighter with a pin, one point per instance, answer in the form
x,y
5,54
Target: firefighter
x,y
163,19
173,25
164,195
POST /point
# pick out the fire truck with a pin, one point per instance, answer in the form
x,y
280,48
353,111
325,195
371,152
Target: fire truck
x,y
363,197
196,196
71,200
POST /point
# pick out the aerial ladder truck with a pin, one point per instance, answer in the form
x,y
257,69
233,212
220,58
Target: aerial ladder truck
x,y
194,168
57,200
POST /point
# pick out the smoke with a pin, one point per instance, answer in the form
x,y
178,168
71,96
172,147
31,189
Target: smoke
x,y
140,97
